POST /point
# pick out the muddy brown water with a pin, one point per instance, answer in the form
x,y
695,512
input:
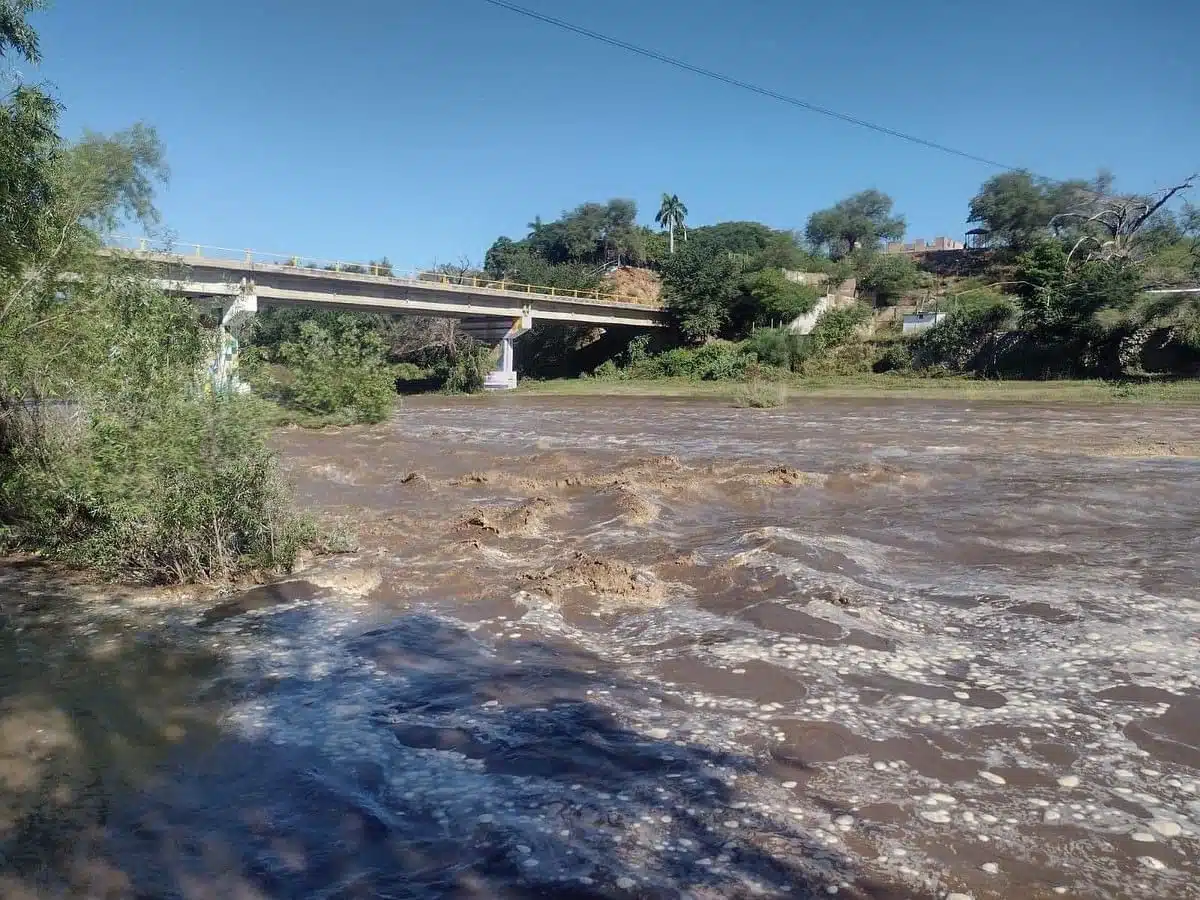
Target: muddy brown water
x,y
645,648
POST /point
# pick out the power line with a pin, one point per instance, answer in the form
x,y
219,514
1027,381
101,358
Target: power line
x,y
745,85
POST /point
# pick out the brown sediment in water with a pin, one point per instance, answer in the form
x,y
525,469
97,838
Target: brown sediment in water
x,y
634,506
522,519
612,583
1149,449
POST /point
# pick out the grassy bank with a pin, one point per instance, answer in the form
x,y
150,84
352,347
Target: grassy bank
x,y
876,386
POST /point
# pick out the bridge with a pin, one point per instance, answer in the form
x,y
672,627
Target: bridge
x,y
491,310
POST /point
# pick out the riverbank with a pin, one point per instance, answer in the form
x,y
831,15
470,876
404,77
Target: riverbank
x,y
875,386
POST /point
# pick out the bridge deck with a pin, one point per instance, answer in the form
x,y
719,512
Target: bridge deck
x,y
429,294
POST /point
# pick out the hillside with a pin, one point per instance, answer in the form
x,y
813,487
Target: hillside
x,y
641,285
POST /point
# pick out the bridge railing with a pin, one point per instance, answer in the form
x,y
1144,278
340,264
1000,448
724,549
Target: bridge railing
x,y
382,269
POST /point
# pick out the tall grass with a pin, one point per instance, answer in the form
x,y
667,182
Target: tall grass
x,y
757,394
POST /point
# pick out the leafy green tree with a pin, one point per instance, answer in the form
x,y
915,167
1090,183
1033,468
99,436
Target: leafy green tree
x,y
154,481
778,347
29,151
700,284
590,233
671,215
778,299
1014,208
861,220
112,178
836,326
15,32
747,238
340,366
1059,296
502,257
889,276
956,343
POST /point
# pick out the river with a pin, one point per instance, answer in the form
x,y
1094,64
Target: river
x,y
640,648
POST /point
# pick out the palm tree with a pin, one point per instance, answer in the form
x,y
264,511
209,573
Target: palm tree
x,y
671,215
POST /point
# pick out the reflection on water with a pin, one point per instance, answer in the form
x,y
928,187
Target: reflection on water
x,y
649,649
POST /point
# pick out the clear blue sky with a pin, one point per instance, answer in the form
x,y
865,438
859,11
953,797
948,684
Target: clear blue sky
x,y
422,129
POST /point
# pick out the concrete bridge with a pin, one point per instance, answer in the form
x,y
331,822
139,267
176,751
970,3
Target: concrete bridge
x,y
493,311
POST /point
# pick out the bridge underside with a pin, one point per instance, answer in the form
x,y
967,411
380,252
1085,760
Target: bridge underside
x,y
493,317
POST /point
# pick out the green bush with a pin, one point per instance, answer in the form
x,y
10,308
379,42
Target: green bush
x,y
714,361
608,370
466,371
337,367
111,455
777,299
837,326
956,342
406,371
778,347
888,276
897,356
185,491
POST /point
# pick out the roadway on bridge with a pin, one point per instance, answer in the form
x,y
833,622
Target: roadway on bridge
x,y
425,293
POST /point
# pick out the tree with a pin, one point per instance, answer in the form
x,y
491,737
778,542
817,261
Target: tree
x,y
889,275
590,233
29,152
1120,226
861,220
1189,223
746,238
1060,296
671,215
778,299
112,178
1014,208
339,365
15,32
700,284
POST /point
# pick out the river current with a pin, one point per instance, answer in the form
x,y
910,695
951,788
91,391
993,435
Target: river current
x,y
638,648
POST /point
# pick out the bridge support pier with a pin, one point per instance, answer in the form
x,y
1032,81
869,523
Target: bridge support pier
x,y
504,378
245,305
223,370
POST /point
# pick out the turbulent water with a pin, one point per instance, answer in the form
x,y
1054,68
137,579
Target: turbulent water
x,y
648,649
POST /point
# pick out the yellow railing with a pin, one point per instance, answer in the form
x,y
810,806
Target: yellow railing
x,y
250,257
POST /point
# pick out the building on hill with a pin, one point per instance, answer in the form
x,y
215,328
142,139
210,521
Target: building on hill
x,y
920,245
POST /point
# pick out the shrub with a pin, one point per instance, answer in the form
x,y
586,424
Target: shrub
x,y
896,357
182,492
851,358
608,370
779,347
779,299
339,366
757,394
406,371
465,372
955,342
889,276
836,326
699,284
714,361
